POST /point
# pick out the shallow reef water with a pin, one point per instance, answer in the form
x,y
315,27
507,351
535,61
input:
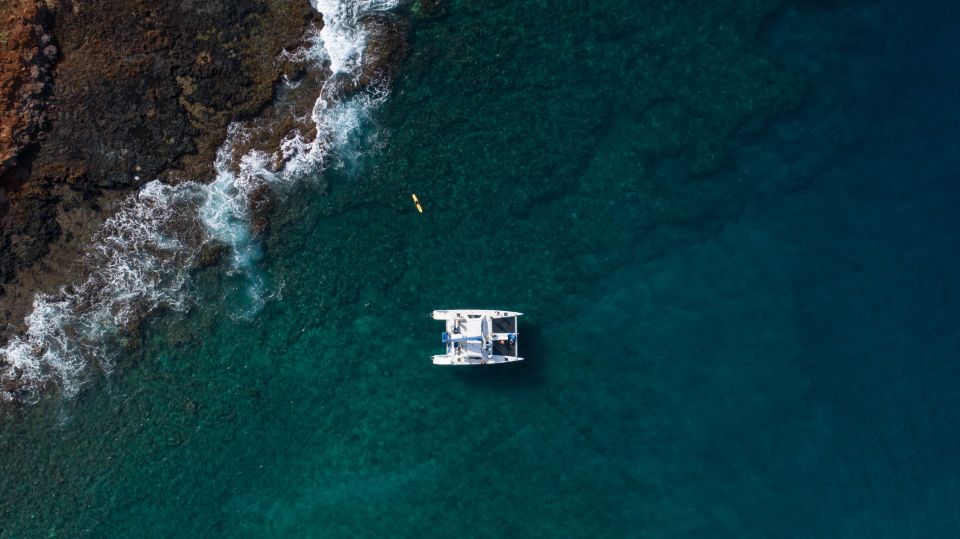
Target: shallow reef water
x,y
731,226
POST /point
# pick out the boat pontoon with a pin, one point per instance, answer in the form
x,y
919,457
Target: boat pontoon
x,y
478,337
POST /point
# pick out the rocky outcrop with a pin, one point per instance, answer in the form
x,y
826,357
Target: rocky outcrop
x,y
26,54
384,51
145,87
139,90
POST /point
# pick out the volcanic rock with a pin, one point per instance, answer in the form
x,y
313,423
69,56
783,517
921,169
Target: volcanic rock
x,y
100,96
26,54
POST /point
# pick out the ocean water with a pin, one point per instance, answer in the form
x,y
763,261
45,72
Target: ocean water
x,y
732,227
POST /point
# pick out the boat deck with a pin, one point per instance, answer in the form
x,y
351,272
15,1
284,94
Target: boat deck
x,y
478,337
504,348
505,325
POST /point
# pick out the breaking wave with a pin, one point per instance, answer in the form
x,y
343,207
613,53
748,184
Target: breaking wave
x,y
141,259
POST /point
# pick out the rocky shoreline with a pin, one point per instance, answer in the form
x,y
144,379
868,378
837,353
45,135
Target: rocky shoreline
x,y
101,96
109,95
26,55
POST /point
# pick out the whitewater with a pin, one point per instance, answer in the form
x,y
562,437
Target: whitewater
x,y
141,258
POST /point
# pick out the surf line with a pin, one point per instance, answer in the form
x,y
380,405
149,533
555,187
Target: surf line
x,y
141,259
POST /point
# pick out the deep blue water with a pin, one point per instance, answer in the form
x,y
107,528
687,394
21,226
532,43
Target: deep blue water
x,y
738,255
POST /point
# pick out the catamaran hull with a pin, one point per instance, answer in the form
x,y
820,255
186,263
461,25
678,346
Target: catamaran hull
x,y
478,337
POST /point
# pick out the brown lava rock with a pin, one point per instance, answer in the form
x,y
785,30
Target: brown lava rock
x,y
26,54
140,90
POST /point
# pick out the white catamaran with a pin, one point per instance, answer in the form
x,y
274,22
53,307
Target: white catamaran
x,y
478,337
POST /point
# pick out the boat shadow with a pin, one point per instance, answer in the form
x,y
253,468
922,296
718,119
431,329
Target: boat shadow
x,y
526,373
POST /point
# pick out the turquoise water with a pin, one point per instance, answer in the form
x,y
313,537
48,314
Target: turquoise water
x,y
732,228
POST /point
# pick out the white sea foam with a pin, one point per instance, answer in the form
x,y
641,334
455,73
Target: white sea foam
x,y
144,252
139,262
343,35
141,258
341,41
313,50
